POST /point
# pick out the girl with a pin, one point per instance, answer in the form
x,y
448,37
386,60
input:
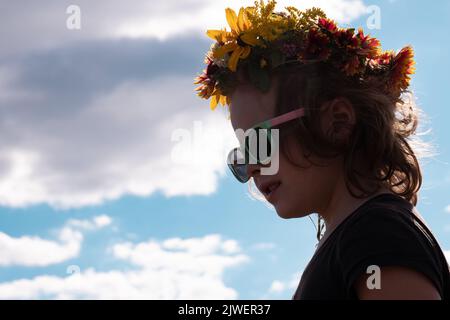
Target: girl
x,y
344,119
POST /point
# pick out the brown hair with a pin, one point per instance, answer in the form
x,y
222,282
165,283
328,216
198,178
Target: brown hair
x,y
377,151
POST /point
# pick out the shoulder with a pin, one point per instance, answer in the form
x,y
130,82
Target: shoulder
x,y
387,233
387,217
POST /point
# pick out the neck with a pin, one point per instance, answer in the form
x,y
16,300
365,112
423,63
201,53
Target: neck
x,y
341,204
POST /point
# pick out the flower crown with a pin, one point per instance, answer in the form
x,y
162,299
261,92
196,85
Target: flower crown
x,y
263,40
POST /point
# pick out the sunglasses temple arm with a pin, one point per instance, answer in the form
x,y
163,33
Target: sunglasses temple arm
x,y
286,117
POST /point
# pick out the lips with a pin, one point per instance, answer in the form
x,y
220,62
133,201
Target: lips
x,y
268,188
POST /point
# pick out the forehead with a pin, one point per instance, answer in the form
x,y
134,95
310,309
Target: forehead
x,y
250,106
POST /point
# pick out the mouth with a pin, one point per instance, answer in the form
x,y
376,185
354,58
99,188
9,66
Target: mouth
x,y
269,189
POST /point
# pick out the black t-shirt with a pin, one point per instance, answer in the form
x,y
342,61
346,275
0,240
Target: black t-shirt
x,y
383,231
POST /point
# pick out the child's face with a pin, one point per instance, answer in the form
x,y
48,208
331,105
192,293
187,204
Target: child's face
x,y
301,191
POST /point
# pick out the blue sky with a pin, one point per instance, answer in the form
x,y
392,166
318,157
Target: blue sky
x,y
93,203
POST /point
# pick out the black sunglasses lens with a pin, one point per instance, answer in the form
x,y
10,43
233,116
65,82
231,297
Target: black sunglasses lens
x,y
240,172
237,165
259,147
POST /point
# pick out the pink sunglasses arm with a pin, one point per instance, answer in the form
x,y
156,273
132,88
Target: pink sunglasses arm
x,y
287,117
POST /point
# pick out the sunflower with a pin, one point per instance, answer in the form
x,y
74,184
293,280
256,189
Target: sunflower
x,y
239,41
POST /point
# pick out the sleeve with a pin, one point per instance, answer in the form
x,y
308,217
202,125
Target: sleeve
x,y
386,238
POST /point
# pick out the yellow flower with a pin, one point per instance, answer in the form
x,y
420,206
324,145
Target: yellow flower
x,y
238,41
217,98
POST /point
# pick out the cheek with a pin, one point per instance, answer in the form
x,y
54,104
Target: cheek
x,y
304,188
295,195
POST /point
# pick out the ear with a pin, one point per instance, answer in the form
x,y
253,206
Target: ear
x,y
338,120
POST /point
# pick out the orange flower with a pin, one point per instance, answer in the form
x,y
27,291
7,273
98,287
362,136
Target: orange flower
x,y
206,88
385,58
207,84
369,46
403,67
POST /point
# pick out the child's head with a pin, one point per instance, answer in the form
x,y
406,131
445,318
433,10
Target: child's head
x,y
350,131
357,115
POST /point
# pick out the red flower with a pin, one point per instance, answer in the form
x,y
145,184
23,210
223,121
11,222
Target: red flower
x,y
345,38
328,25
352,67
317,46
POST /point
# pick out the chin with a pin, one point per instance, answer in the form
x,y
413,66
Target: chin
x,y
290,213
285,214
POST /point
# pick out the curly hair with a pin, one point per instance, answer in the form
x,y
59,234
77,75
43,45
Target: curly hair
x,y
378,150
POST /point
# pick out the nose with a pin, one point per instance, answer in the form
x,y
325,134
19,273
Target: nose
x,y
253,170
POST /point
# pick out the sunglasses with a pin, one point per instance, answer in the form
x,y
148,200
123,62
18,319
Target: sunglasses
x,y
259,146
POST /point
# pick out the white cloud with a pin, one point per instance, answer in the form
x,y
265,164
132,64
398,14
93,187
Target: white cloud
x,y
231,246
206,245
277,286
128,141
211,15
170,269
208,255
122,140
97,222
43,24
32,251
286,287
102,221
447,209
